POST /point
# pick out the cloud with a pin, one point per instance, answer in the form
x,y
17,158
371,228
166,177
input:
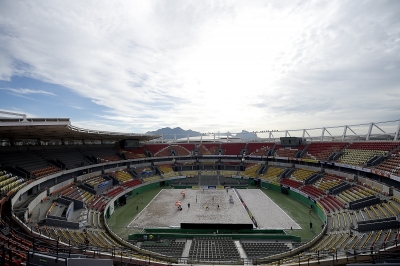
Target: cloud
x,y
76,107
24,91
212,66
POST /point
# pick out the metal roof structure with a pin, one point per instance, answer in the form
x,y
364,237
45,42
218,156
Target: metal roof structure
x,y
49,129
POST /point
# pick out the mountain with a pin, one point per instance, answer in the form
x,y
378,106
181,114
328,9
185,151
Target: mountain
x,y
170,132
246,135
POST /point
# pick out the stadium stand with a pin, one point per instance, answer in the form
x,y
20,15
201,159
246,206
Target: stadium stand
x,y
272,174
23,165
167,247
258,148
287,152
251,171
158,150
233,148
302,174
136,153
322,151
263,249
209,148
213,249
358,153
121,176
68,158
166,170
100,154
180,150
392,164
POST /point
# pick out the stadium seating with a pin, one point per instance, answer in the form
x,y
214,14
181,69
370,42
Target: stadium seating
x,y
232,148
44,171
28,160
251,170
213,248
122,176
392,164
272,174
188,146
113,192
94,180
312,191
358,153
258,148
8,183
302,174
136,153
102,154
132,183
68,157
179,151
209,148
290,153
209,180
328,181
167,170
322,150
167,247
156,148
291,183
259,249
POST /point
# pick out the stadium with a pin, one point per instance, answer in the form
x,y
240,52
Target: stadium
x,y
321,196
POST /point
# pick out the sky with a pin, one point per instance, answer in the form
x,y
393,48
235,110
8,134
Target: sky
x,y
137,66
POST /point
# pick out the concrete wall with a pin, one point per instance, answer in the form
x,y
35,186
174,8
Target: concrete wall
x,y
300,166
374,184
333,172
61,223
60,185
36,200
86,262
281,164
81,177
120,168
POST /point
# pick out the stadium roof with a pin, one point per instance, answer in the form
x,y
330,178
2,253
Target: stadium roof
x,y
49,129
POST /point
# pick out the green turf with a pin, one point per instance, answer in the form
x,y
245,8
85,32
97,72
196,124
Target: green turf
x,y
299,212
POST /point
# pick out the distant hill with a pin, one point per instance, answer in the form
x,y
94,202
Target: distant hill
x,y
246,135
169,133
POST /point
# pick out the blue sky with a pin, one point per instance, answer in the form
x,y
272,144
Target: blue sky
x,y
136,66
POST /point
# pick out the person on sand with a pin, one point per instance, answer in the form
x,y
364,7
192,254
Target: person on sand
x,y
207,207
